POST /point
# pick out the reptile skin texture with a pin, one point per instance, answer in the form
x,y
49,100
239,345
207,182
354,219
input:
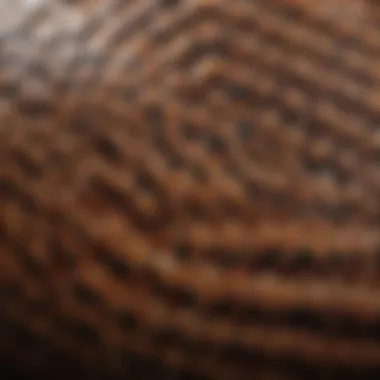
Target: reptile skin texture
x,y
190,189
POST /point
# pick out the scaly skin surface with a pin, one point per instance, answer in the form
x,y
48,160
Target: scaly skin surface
x,y
190,188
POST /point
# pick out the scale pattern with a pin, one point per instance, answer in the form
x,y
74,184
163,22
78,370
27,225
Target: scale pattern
x,y
190,188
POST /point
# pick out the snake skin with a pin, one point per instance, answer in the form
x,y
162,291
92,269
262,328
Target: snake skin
x,y
190,189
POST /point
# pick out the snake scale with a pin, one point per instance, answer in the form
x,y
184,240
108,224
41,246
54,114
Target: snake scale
x,y
190,189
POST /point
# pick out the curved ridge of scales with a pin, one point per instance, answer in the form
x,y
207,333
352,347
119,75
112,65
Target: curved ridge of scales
x,y
190,187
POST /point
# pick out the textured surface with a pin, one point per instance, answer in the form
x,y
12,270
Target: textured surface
x,y
191,187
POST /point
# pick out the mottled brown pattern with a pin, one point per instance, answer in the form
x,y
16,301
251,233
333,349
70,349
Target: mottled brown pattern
x,y
191,187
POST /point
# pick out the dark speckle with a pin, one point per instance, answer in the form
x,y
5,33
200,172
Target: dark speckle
x,y
182,251
84,333
175,161
221,308
170,3
79,330
244,130
10,292
215,144
9,90
155,118
36,108
28,204
303,260
127,321
30,168
115,264
239,92
108,149
166,336
7,189
38,70
267,259
182,296
24,337
85,295
303,318
238,354
190,132
252,314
